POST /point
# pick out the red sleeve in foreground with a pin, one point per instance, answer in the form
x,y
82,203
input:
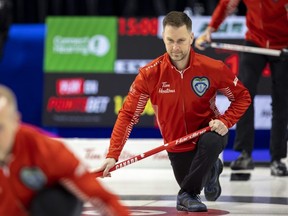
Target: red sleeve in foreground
x,y
89,189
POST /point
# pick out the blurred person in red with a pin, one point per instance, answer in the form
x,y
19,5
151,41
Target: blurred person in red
x,y
182,86
267,24
39,176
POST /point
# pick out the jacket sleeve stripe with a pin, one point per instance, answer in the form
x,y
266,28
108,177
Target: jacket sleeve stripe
x,y
139,109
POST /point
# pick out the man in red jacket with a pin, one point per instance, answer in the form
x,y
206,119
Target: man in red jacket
x,y
39,176
182,86
267,23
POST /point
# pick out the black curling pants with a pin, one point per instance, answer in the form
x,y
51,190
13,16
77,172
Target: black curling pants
x,y
192,168
251,67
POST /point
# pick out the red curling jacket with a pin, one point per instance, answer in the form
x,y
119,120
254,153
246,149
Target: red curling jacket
x,y
183,101
266,20
38,161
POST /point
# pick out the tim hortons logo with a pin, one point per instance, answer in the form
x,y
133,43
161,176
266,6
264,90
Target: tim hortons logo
x,y
165,88
126,162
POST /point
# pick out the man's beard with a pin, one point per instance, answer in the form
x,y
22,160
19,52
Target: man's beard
x,y
177,57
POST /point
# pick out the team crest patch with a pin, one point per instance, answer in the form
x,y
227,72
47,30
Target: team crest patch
x,y
33,177
200,85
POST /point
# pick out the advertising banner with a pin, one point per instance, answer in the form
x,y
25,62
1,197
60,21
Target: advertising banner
x,y
88,100
138,43
262,110
86,44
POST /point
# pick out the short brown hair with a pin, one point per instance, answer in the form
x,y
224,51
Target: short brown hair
x,y
177,19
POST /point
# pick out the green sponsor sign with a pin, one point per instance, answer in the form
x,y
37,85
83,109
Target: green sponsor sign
x,y
80,44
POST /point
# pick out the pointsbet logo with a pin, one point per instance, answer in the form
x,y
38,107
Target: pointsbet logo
x,y
97,45
91,104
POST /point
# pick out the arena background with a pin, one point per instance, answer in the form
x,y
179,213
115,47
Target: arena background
x,y
43,72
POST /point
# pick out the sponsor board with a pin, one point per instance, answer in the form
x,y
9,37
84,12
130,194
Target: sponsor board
x,y
88,100
92,152
129,66
234,27
76,44
262,107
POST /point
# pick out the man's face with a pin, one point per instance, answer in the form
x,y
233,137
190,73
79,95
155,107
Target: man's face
x,y
9,121
178,41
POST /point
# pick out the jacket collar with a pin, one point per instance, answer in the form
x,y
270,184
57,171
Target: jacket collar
x,y
191,59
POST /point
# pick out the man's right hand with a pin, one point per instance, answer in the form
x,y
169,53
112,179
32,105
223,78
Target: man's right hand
x,y
106,166
204,39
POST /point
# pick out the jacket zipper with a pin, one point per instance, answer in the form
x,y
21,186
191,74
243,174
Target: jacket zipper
x,y
183,105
